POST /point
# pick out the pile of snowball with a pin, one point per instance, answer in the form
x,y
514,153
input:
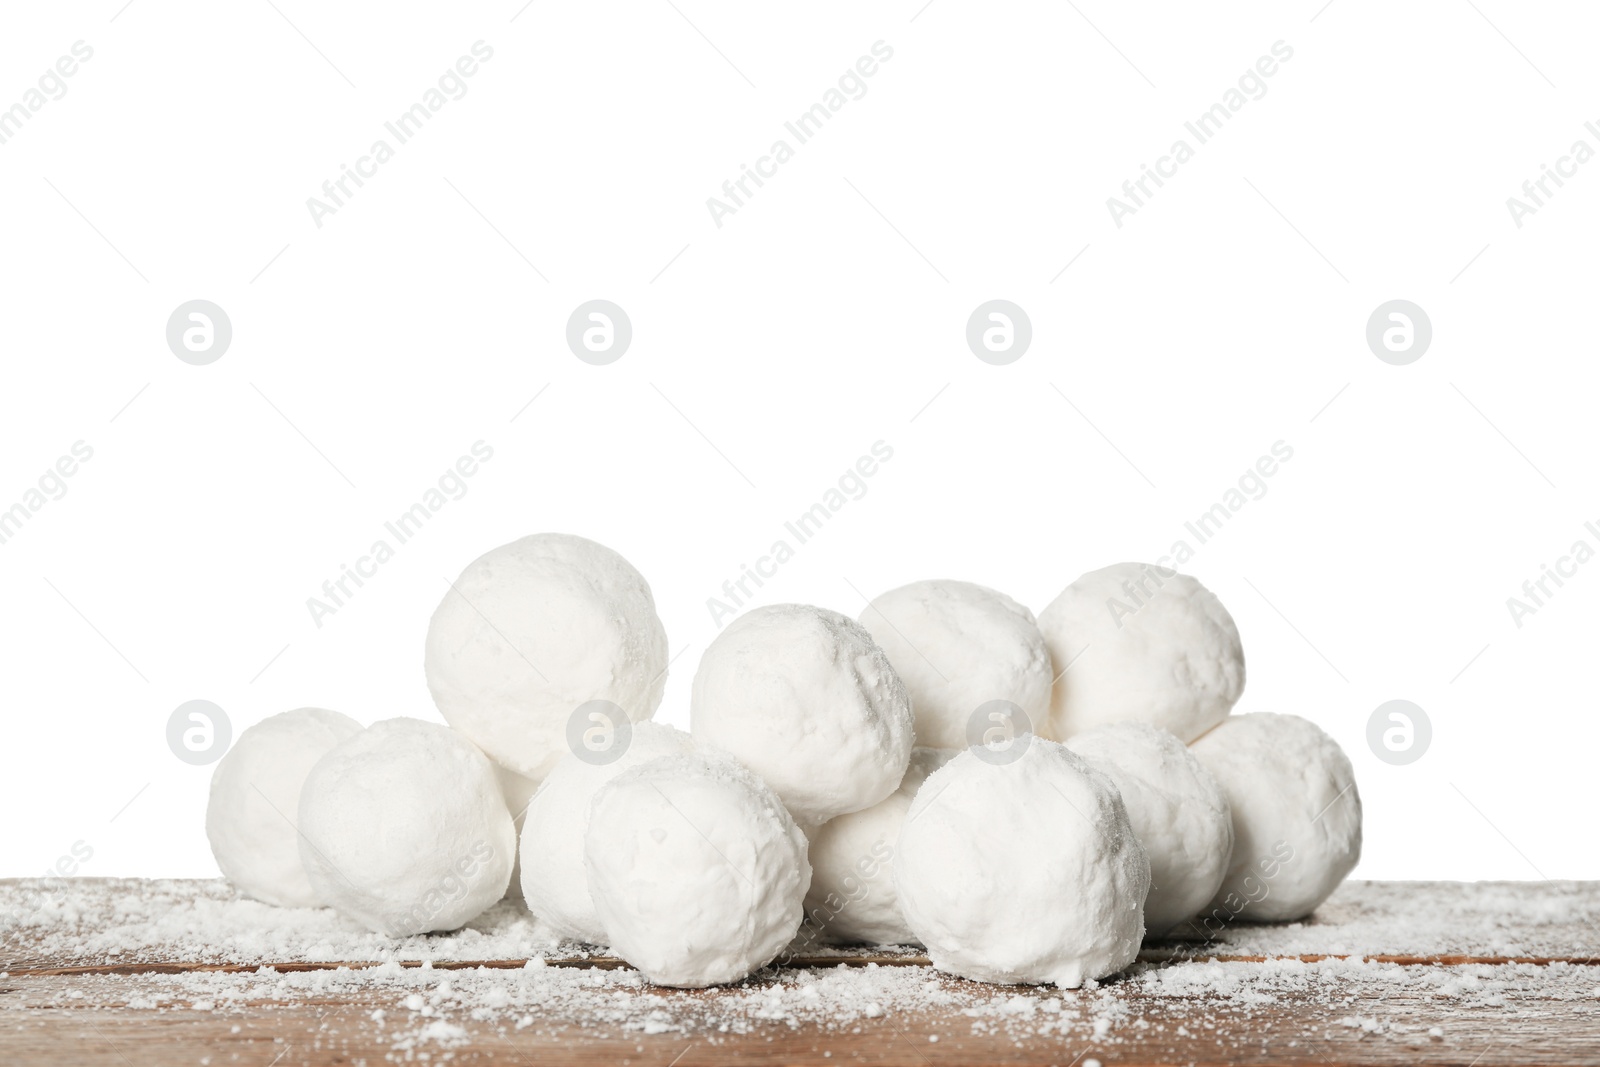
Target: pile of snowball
x,y
1028,799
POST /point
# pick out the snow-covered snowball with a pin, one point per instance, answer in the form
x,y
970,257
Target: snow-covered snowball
x,y
1140,642
255,792
1177,810
1022,871
531,631
1296,816
554,881
518,791
403,828
957,646
852,897
696,870
804,697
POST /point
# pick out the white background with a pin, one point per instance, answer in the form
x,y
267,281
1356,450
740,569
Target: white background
x,y
827,314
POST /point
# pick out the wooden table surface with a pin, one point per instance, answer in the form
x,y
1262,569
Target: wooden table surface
x,y
92,972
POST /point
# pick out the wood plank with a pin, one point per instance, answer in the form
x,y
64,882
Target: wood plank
x,y
1532,1028
90,922
794,962
1386,973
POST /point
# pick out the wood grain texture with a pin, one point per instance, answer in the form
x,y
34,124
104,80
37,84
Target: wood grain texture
x,y
1255,997
611,963
337,1030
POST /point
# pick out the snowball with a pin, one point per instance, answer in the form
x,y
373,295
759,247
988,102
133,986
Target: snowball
x,y
802,696
1022,871
255,794
531,631
403,828
518,792
555,883
1140,642
957,646
1296,816
695,868
852,897
1177,810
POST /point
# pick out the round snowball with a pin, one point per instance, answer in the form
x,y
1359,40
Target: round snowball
x,y
533,630
852,898
1296,816
804,697
1177,810
555,883
403,828
255,792
1022,871
958,646
697,871
1143,643
518,792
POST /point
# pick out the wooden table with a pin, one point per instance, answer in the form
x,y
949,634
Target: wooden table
x,y
1386,973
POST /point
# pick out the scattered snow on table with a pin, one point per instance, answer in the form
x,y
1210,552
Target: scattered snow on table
x,y
1527,919
105,921
66,922
108,921
1177,995
410,1009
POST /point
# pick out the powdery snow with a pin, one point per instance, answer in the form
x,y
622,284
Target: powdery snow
x,y
427,1009
82,922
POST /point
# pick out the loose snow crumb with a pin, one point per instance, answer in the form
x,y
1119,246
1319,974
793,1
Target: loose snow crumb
x,y
428,1012
83,921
